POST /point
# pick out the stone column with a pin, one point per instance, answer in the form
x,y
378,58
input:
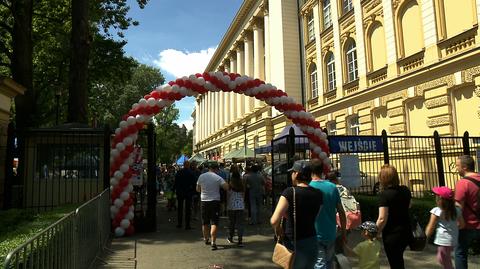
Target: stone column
x,y
214,109
248,44
197,113
258,56
241,71
430,31
226,99
233,96
360,43
266,26
390,38
319,63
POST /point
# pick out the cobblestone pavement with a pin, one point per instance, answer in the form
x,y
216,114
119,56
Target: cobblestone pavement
x,y
170,247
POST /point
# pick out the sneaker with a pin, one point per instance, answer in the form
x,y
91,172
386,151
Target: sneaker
x,y
230,240
214,246
207,241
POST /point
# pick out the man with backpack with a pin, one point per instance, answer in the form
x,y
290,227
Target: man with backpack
x,y
467,196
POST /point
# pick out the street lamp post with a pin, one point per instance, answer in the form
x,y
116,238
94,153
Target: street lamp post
x,y
245,143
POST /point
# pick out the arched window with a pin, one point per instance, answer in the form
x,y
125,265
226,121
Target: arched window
x,y
347,6
313,80
353,125
455,17
351,57
327,16
377,53
237,145
410,30
332,128
330,64
310,26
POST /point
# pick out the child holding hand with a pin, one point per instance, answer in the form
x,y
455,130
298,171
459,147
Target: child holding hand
x,y
445,220
368,251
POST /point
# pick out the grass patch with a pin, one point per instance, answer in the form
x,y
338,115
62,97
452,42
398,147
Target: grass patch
x,y
18,225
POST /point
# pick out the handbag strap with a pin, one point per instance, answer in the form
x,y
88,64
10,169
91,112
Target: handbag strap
x,y
294,221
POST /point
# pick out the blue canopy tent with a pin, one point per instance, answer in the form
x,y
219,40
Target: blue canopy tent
x,y
181,160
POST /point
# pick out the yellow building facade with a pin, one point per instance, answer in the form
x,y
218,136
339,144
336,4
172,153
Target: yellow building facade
x,y
409,67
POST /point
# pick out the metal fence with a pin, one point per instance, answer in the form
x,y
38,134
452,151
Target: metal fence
x,y
72,242
421,161
62,166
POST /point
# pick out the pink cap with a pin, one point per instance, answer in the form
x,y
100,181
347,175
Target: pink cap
x,y
443,192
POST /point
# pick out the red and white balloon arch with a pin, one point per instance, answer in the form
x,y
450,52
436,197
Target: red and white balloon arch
x,y
126,134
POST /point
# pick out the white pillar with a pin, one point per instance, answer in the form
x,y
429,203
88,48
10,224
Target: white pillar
x,y
226,100
202,116
360,42
266,62
210,114
319,63
337,51
197,113
215,115
233,96
258,56
241,71
249,68
430,30
390,38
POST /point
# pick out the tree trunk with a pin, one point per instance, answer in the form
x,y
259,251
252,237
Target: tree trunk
x,y
22,63
80,43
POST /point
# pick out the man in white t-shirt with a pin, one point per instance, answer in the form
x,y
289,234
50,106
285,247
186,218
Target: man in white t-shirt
x,y
209,185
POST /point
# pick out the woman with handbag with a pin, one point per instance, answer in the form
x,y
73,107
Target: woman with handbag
x,y
300,205
393,217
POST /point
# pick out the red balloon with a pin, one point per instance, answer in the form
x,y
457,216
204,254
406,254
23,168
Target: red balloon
x,y
127,174
130,230
124,209
115,223
171,83
139,125
123,183
129,201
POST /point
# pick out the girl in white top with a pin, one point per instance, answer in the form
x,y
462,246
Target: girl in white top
x,y
236,206
445,220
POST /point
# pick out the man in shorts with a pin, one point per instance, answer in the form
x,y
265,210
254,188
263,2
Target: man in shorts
x,y
209,185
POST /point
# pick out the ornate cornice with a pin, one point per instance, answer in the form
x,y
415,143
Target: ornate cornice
x,y
477,90
396,95
438,121
363,105
396,112
399,128
470,73
371,5
436,102
448,80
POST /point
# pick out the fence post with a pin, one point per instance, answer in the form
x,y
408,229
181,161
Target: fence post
x,y
7,185
438,157
466,143
291,151
386,157
106,157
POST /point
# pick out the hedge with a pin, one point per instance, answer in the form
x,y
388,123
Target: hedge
x,y
420,207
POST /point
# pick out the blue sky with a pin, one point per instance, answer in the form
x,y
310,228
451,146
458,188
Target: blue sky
x,y
179,37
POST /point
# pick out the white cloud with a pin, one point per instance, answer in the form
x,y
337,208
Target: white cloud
x,y
188,123
184,63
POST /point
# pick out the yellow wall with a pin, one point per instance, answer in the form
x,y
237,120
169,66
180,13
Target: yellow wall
x,y
417,118
458,16
466,107
381,120
378,50
412,31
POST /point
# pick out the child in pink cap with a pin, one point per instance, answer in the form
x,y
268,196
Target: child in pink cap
x,y
445,220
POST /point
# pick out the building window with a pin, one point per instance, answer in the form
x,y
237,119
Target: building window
x,y
327,17
310,26
352,68
237,145
330,72
353,125
313,80
332,128
347,6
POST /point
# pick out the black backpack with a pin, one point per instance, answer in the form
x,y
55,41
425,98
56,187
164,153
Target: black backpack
x,y
475,210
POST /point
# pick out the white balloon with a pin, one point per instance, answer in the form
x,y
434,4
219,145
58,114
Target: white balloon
x,y
142,102
131,120
114,209
112,160
129,188
124,168
130,161
117,131
123,124
322,155
114,153
323,136
118,175
131,208
129,216
151,102
113,181
125,223
119,232
167,87
120,146
135,105
118,202
128,141
135,136
140,118
124,195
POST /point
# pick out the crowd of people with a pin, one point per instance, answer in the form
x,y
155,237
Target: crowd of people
x,y
310,218
214,190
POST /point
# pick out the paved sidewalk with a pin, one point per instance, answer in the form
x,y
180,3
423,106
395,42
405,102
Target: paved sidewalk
x,y
170,247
